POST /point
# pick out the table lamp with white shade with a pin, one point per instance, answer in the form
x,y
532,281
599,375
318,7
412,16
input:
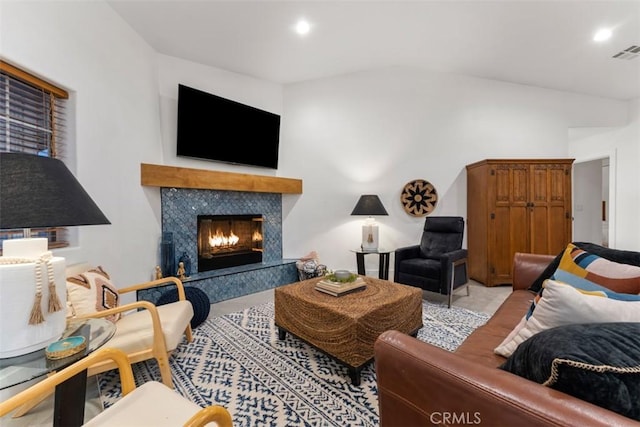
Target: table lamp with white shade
x,y
369,205
36,192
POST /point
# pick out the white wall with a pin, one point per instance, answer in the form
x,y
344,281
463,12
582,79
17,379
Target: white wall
x,y
111,73
344,136
372,132
622,146
125,97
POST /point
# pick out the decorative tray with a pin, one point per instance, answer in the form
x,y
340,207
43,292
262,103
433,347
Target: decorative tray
x,y
65,347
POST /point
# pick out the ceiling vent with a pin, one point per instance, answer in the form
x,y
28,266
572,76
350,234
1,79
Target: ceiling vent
x,y
629,53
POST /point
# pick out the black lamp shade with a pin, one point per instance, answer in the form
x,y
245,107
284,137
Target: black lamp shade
x,y
369,204
38,191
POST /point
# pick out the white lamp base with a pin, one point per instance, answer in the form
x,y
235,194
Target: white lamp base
x,y
370,237
17,296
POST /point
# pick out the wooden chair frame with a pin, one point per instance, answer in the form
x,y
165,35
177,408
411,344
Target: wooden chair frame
x,y
158,350
120,360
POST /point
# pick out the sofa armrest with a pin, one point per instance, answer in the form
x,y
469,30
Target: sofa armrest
x,y
420,384
527,268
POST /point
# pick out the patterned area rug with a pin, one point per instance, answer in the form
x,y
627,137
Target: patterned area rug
x,y
238,362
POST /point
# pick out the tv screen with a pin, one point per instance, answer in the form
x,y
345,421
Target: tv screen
x,y
214,128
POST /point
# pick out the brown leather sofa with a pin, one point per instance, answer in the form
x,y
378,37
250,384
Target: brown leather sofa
x,y
420,384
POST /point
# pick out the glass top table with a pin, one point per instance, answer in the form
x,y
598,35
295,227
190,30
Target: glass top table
x,y
383,268
20,369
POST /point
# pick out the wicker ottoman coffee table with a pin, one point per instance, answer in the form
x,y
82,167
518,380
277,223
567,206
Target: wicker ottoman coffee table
x,y
346,327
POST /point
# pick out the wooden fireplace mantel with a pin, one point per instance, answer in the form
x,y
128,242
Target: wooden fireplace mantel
x,y
179,177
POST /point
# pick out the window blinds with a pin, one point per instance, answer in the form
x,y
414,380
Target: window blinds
x,y
32,120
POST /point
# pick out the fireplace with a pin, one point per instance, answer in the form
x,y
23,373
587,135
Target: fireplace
x,y
228,241
180,210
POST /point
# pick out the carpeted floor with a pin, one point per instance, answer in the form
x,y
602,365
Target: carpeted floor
x,y
238,362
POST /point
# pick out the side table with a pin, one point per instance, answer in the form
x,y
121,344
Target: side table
x,y
69,395
383,266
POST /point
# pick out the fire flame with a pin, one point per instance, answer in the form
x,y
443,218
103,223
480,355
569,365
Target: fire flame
x,y
219,240
257,237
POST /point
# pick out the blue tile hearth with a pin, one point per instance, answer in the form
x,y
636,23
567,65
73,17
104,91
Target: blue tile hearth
x,y
223,284
180,210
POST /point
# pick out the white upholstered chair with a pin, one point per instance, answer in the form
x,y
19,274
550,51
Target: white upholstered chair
x,y
151,404
143,330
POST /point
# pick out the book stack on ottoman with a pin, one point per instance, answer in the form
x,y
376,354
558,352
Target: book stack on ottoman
x,y
340,288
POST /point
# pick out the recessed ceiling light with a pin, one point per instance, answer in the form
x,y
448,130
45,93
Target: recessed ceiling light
x,y
302,27
602,35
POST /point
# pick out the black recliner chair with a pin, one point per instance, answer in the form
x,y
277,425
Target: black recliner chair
x,y
438,263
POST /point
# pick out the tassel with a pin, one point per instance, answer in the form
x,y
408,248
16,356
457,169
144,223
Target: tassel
x,y
54,301
36,311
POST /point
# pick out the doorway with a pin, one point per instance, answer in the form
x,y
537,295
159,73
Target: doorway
x,y
592,208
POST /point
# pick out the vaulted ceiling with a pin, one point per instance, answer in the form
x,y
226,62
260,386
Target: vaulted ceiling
x,y
539,43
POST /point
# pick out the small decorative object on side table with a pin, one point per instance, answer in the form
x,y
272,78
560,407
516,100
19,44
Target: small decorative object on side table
x,y
66,347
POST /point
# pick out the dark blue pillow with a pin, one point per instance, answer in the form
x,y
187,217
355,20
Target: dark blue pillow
x,y
596,362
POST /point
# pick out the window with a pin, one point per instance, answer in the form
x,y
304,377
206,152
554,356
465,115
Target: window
x,y
32,120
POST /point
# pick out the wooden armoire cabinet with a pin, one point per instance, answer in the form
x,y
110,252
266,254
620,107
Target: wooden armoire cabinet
x,y
515,206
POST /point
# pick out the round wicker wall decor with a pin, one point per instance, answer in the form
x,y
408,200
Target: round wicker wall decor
x,y
419,197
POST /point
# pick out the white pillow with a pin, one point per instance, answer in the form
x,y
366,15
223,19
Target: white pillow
x,y
562,304
92,291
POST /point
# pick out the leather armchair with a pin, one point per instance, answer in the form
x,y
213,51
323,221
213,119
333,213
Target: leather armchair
x,y
438,263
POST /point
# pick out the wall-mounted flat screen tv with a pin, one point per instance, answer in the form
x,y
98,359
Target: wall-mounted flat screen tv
x,y
214,128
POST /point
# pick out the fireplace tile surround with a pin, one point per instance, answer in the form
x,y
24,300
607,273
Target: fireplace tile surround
x,y
180,208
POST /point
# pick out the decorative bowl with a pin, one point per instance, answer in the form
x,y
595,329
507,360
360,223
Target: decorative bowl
x,y
342,274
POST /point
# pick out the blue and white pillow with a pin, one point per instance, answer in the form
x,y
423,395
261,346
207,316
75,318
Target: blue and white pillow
x,y
562,304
